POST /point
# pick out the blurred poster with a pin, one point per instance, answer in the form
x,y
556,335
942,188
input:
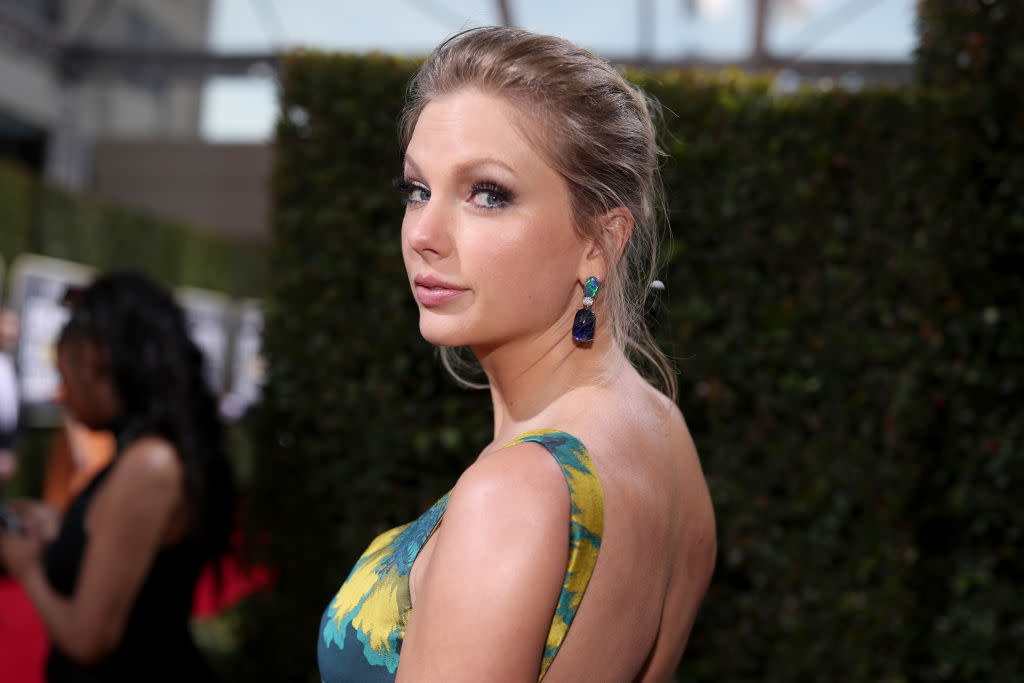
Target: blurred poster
x,y
207,315
38,284
9,404
248,368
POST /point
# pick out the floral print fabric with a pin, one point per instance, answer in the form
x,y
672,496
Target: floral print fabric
x,y
361,631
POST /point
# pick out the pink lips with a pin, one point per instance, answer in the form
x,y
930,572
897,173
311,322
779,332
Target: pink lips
x,y
433,291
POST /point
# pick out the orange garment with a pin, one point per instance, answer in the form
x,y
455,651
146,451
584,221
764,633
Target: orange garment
x,y
77,454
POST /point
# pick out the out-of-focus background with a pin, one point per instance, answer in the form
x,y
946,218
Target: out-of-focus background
x,y
93,91
845,181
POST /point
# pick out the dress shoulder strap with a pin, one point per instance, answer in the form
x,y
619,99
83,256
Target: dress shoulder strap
x,y
586,527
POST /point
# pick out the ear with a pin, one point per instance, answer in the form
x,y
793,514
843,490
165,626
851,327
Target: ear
x,y
604,251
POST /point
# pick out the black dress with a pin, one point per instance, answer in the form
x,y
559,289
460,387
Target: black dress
x,y
156,644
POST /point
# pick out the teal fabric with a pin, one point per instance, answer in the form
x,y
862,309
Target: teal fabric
x,y
362,630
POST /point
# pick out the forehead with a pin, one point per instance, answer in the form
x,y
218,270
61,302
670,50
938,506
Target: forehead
x,y
470,124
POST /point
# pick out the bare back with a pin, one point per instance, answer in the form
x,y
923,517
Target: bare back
x,y
658,549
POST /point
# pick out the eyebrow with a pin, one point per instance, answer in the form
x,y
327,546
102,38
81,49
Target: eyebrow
x,y
468,166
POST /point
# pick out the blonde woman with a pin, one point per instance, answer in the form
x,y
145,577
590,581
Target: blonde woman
x,y
580,542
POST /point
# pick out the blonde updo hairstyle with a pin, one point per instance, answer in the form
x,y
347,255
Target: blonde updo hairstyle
x,y
593,128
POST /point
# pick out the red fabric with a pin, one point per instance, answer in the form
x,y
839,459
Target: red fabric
x,y
23,640
236,582
23,644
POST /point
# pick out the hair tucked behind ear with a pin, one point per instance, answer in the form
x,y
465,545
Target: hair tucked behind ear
x,y
595,129
158,375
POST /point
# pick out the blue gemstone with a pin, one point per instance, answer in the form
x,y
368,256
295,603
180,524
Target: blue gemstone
x,y
583,325
590,287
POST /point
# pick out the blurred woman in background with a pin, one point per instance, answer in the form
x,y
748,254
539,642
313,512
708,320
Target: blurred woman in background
x,y
113,579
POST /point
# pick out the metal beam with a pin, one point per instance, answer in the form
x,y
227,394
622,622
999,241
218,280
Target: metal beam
x,y
84,60
23,32
758,49
77,60
505,12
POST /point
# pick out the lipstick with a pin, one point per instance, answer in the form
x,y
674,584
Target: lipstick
x,y
433,291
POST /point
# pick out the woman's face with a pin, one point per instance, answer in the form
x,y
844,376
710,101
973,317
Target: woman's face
x,y
87,389
488,239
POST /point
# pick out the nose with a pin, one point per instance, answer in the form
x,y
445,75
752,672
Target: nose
x,y
426,229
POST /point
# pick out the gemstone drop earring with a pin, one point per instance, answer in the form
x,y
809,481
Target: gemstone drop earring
x,y
585,320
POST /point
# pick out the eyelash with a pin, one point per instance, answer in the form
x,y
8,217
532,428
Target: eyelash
x,y
501,193
405,188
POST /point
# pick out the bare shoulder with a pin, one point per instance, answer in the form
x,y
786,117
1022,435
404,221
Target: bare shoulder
x,y
153,457
521,482
150,465
142,500
503,544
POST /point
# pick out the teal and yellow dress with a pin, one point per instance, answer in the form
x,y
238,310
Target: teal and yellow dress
x,y
361,631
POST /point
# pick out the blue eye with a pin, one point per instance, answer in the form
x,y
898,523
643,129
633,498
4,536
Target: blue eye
x,y
490,196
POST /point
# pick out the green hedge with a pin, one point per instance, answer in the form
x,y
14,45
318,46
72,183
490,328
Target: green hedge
x,y
843,300
17,199
845,288
971,46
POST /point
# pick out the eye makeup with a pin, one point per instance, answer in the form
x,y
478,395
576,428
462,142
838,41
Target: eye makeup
x,y
487,195
410,192
494,196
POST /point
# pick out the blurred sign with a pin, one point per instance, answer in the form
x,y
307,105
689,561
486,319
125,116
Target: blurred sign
x,y
207,316
248,367
38,284
8,378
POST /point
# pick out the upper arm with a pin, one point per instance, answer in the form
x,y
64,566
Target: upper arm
x,y
126,526
485,601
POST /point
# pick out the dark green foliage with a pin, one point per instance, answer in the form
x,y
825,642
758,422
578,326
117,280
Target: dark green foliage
x,y
849,317
971,46
843,298
16,199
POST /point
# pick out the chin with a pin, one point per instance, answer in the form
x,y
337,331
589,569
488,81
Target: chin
x,y
443,332
439,337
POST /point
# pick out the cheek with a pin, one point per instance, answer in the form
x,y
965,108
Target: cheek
x,y
500,257
527,271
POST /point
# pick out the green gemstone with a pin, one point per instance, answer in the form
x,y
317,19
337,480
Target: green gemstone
x,y
590,287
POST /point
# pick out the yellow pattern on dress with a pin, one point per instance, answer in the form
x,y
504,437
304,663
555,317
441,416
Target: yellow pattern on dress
x,y
374,600
586,526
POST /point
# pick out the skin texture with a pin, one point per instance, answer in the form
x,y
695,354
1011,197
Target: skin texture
x,y
489,219
139,509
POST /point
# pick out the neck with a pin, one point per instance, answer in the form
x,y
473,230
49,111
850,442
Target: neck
x,y
533,380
